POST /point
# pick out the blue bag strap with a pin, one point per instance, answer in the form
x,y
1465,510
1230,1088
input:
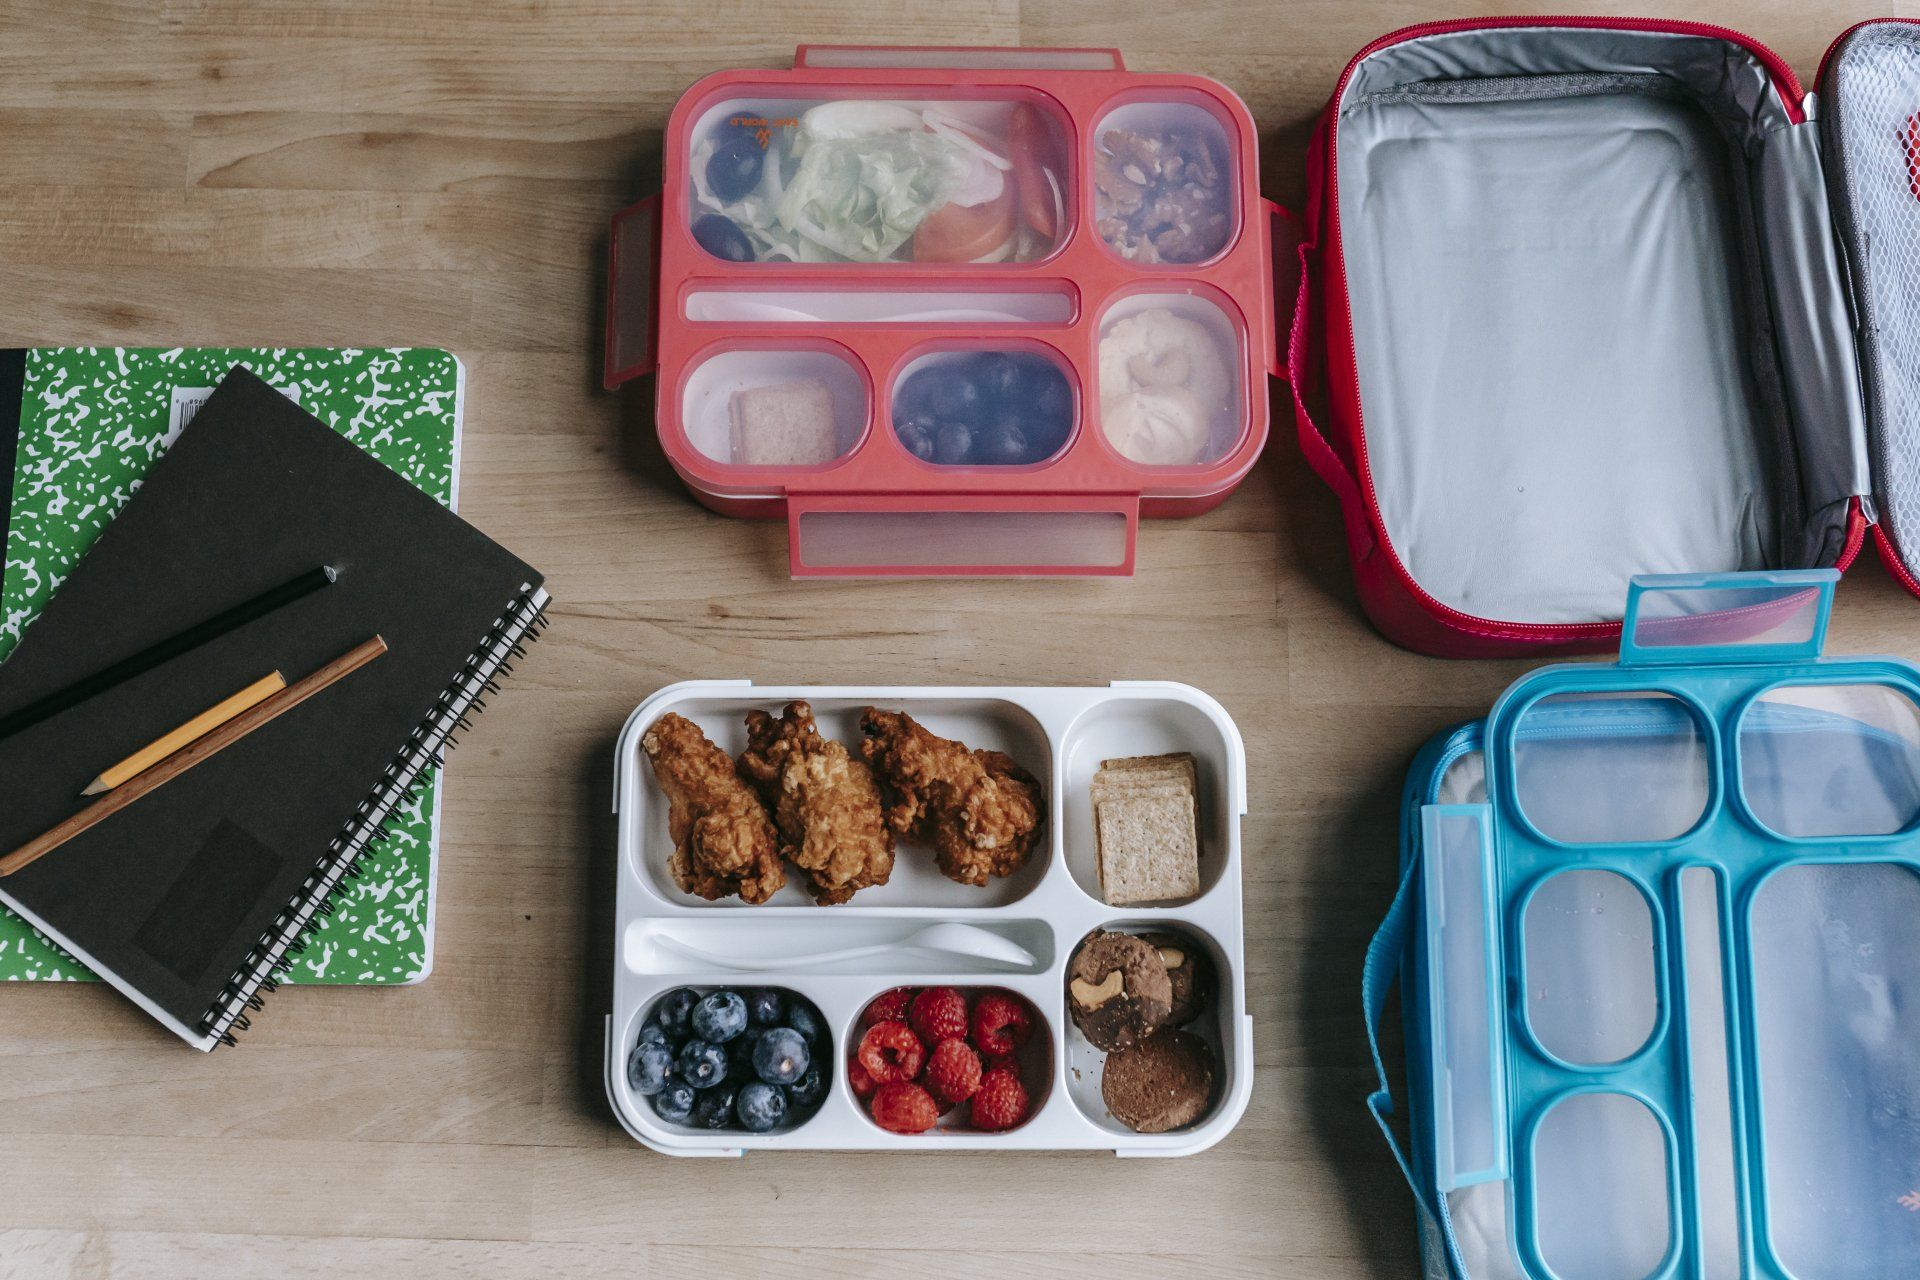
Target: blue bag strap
x,y
1386,953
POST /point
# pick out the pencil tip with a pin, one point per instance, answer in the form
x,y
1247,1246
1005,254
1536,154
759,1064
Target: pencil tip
x,y
94,788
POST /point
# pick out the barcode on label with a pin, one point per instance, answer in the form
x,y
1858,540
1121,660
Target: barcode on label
x,y
187,401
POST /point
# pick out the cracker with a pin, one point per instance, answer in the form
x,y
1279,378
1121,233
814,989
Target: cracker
x,y
787,425
1135,775
1179,764
1149,847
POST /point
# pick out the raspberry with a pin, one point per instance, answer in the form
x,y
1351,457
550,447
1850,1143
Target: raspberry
x,y
953,1072
1001,1024
890,1053
862,1083
904,1108
1001,1102
888,1006
939,1013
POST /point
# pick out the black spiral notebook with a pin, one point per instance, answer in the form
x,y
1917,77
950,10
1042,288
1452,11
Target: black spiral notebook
x,y
190,898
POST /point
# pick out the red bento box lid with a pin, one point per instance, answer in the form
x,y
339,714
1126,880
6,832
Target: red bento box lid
x,y
879,509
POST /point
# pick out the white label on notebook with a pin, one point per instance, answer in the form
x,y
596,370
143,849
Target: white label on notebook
x,y
187,402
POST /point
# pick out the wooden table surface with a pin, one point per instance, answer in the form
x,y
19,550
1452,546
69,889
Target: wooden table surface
x,y
440,172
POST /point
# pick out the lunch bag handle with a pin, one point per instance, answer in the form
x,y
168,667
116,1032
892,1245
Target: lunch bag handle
x,y
1294,277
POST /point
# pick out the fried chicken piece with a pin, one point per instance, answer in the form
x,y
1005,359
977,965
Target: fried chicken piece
x,y
979,810
824,802
723,841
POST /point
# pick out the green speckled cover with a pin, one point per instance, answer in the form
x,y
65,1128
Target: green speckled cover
x,y
92,420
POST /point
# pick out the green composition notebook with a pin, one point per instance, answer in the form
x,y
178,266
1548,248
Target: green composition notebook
x,y
91,421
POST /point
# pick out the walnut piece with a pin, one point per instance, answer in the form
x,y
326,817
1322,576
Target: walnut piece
x,y
1165,196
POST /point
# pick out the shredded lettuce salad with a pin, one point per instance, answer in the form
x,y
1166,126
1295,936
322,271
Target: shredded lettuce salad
x,y
851,183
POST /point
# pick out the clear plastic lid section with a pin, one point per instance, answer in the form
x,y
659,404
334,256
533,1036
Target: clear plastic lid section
x,y
1603,1206
1463,997
1171,380
1612,767
1688,619
1824,761
1164,188
787,408
932,181
1836,989
1593,988
973,406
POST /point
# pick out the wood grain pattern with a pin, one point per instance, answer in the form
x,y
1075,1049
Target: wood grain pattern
x,y
439,172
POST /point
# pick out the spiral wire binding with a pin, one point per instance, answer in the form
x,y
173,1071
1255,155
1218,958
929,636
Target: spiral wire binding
x,y
287,936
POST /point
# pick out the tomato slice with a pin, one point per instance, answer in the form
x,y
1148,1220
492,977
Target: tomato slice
x,y
1029,148
964,232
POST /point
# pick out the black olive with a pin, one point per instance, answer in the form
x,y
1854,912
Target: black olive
x,y
953,444
734,168
721,238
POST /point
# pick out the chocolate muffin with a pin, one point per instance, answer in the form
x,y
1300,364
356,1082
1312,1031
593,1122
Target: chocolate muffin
x,y
1117,989
1189,971
1161,1084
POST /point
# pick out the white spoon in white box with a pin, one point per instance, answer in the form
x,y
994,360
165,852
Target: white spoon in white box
x,y
946,938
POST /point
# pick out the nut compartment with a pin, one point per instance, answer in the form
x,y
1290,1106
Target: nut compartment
x,y
1165,188
1052,906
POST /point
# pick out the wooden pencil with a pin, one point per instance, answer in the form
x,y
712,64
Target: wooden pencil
x,y
192,731
193,754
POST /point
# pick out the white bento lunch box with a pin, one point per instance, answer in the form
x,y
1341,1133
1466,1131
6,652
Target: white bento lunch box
x,y
1059,734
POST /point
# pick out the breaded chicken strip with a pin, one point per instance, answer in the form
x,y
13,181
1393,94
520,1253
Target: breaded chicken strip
x,y
981,812
723,841
825,803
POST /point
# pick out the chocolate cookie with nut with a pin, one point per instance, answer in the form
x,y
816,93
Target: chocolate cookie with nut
x,y
1189,970
1118,991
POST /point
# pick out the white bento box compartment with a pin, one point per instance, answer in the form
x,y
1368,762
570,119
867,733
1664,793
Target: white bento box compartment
x,y
1060,735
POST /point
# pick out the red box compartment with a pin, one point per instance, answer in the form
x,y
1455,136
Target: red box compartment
x,y
1053,481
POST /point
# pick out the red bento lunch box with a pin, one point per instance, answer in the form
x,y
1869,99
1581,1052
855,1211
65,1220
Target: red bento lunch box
x,y
1586,298
910,405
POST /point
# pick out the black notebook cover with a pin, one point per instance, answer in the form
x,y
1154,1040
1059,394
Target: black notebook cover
x,y
187,898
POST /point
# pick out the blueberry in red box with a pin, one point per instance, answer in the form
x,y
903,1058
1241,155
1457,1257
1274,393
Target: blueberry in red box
x,y
983,408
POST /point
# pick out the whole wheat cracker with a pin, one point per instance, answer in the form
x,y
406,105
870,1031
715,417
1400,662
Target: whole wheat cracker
x,y
1149,848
